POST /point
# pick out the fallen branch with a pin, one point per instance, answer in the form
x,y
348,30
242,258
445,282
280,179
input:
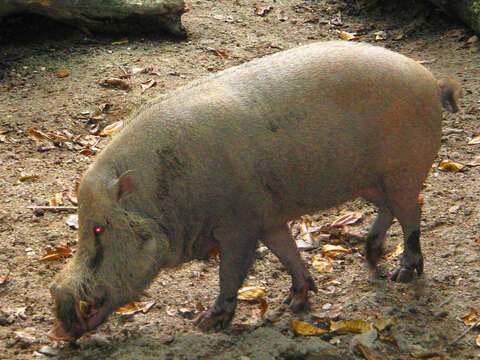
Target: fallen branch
x,y
54,208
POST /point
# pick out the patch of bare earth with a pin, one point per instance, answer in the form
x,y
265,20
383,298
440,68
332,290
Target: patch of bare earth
x,y
49,82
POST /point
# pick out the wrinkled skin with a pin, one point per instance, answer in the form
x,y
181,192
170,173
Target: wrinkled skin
x,y
230,159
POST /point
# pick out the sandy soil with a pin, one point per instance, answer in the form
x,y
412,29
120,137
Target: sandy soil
x,y
49,82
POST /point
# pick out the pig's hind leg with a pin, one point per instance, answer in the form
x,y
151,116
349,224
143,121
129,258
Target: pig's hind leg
x,y
237,244
280,241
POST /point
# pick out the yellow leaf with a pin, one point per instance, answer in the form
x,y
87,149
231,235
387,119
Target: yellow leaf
x,y
472,318
56,200
384,323
450,166
475,140
38,135
347,219
332,251
395,253
59,253
348,36
250,293
62,74
321,264
135,307
303,328
351,326
25,178
112,128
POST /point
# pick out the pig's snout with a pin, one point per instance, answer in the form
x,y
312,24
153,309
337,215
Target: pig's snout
x,y
76,316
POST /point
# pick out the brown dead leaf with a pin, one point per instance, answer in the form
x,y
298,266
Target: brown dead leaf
x,y
4,278
251,293
348,36
115,82
332,251
171,310
112,128
219,53
369,353
384,323
135,307
29,178
56,200
475,140
38,135
450,166
147,85
420,200
62,74
59,253
263,11
351,326
472,318
214,253
304,328
477,240
87,152
321,264
348,219
395,253
262,309
390,339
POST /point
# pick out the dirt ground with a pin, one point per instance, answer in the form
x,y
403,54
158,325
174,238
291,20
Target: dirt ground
x,y
49,82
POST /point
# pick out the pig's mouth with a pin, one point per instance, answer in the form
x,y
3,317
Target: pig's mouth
x,y
89,315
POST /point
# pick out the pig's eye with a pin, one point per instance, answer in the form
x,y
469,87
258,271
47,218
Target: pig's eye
x,y
97,230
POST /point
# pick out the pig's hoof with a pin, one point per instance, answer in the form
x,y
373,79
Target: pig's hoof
x,y
298,300
404,274
208,320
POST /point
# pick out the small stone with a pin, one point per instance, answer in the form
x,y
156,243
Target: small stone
x,y
48,350
327,306
367,339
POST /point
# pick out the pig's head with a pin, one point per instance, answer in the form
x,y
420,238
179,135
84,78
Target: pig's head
x,y
120,251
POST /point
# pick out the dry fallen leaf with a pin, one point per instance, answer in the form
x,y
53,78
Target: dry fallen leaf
x,y
351,326
171,310
420,200
56,200
395,253
62,74
119,83
112,128
369,353
87,152
347,219
3,279
56,254
148,84
219,53
303,328
332,251
475,140
450,166
384,323
477,341
348,36
472,318
38,135
29,178
135,307
251,293
321,264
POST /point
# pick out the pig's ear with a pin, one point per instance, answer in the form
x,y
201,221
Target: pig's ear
x,y
123,186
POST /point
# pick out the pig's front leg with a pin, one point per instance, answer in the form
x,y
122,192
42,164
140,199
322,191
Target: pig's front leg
x,y
237,254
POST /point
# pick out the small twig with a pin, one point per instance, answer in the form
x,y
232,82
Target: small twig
x,y
461,336
54,208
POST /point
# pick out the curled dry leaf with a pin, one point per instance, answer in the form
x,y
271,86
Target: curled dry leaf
x,y
114,82
351,326
472,318
219,53
369,353
304,328
263,11
112,128
395,253
62,74
321,264
250,293
4,278
348,219
348,36
332,251
135,307
87,152
56,200
28,178
450,166
38,135
475,140
148,84
56,254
